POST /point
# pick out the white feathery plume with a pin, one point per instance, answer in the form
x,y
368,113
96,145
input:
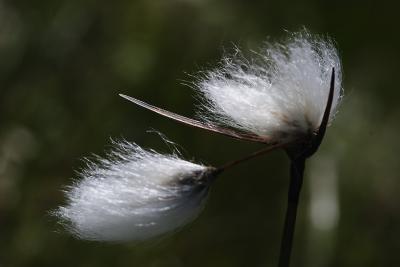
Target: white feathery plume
x,y
281,93
133,195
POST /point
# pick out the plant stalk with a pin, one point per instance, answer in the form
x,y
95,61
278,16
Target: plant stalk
x,y
296,180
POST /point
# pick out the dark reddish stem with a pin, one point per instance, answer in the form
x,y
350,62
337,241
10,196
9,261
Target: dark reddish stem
x,y
296,181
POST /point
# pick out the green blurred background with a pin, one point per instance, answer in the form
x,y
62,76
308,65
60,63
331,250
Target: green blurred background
x,y
63,63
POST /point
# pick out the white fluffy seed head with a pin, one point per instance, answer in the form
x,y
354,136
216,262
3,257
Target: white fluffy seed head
x,y
134,195
281,93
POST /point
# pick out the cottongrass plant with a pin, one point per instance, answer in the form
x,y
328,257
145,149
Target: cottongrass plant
x,y
284,97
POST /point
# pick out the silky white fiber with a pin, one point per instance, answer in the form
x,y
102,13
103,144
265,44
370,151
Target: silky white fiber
x,y
281,92
134,194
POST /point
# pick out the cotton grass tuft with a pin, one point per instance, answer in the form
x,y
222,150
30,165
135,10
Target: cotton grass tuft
x,y
281,92
134,194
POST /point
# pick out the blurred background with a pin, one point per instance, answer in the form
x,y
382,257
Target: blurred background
x,y
63,63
